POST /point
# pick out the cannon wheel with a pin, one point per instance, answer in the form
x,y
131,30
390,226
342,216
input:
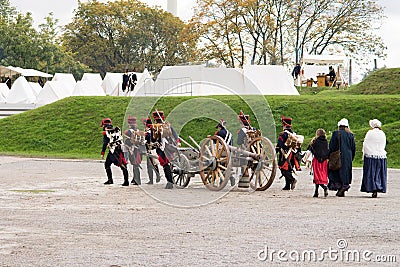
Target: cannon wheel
x,y
214,161
181,178
262,173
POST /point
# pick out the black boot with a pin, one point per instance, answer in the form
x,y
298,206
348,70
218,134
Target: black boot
x,y
325,190
126,176
375,194
340,193
293,184
109,176
168,175
287,185
316,191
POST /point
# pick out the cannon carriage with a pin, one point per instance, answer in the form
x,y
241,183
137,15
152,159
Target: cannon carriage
x,y
215,161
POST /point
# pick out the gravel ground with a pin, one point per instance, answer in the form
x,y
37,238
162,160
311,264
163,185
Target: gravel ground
x,y
59,213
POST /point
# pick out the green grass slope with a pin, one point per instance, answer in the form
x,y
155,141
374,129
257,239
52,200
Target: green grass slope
x,y
70,128
382,81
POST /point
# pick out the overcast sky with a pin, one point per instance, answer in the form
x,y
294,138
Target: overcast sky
x,y
63,10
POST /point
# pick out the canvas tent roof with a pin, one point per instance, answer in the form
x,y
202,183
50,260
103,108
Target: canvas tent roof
x,y
200,80
53,91
35,87
67,79
10,71
112,83
2,99
270,79
4,91
7,72
324,59
94,77
88,88
21,92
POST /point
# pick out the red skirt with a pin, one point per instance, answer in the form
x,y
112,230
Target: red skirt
x,y
320,170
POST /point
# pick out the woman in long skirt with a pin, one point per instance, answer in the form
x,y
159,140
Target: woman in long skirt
x,y
320,150
375,163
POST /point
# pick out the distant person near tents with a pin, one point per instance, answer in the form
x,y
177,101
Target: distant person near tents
x,y
125,80
132,80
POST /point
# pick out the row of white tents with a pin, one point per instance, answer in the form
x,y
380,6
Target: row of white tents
x,y
64,85
197,80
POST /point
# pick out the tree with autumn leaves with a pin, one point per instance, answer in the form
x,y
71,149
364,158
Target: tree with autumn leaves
x,y
237,32
126,33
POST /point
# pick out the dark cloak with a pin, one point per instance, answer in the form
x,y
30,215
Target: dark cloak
x,y
341,179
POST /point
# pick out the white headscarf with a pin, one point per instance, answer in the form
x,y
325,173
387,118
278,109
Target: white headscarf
x,y
343,122
375,123
374,141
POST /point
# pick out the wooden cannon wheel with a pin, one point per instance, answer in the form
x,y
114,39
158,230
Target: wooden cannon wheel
x,y
180,169
262,172
214,162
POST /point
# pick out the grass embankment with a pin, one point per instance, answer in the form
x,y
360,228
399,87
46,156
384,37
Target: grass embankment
x,y
70,128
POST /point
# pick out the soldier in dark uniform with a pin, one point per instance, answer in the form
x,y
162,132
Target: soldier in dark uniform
x,y
113,140
133,146
244,120
151,163
156,141
226,135
287,160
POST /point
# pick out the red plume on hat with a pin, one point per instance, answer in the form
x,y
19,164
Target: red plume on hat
x,y
286,121
244,118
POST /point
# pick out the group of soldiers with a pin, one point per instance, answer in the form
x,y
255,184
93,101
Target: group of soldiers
x,y
159,148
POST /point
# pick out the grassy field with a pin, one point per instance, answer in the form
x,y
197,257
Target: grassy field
x,y
70,128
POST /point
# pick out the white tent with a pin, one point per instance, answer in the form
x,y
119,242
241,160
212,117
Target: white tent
x,y
316,65
200,80
21,92
35,87
2,99
94,77
67,79
270,79
112,83
53,91
88,88
10,71
4,90
312,71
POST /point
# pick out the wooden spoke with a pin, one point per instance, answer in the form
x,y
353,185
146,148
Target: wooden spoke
x,y
219,151
261,179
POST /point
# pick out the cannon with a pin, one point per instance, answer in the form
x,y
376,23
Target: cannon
x,y
214,161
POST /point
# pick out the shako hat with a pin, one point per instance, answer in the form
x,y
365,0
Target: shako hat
x,y
221,123
106,121
244,118
158,114
286,121
131,120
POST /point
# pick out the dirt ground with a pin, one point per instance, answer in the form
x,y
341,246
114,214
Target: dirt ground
x,y
59,213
